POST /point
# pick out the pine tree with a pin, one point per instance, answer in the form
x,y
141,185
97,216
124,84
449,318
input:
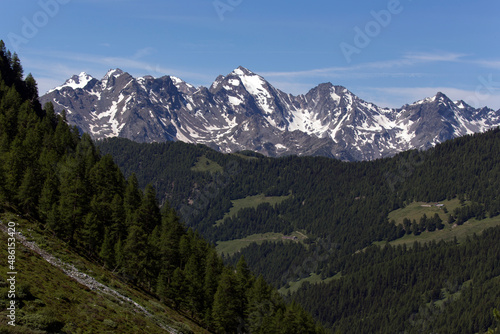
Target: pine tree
x,y
17,67
135,254
118,228
132,198
27,195
73,200
213,270
297,321
225,312
245,280
92,233
15,166
48,196
194,279
177,290
107,252
104,175
31,88
148,214
260,307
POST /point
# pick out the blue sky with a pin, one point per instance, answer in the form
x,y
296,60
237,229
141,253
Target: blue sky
x,y
386,51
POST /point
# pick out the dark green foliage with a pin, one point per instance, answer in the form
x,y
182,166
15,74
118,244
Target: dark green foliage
x,y
396,289
346,202
227,299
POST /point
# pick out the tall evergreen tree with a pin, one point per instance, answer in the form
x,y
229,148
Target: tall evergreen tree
x,y
226,307
132,198
213,270
148,214
260,307
177,290
194,280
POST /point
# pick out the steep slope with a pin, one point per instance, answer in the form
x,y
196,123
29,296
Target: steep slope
x,y
98,305
242,111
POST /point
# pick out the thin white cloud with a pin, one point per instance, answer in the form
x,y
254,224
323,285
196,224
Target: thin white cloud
x,y
143,52
408,60
495,64
436,56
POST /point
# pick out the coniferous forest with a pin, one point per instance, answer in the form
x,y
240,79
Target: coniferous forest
x,y
343,208
52,174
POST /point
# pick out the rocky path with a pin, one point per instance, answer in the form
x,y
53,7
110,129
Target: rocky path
x,y
81,277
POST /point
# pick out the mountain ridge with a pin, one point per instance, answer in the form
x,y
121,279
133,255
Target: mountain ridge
x,y
243,111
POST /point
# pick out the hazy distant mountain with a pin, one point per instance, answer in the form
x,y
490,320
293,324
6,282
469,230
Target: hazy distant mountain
x,y
242,111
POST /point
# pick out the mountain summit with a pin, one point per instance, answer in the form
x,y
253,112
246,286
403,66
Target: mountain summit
x,y
242,111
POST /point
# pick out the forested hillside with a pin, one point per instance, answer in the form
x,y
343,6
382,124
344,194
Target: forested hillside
x,y
52,175
344,205
343,208
443,287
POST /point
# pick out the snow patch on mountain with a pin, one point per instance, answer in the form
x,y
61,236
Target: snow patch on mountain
x,y
75,82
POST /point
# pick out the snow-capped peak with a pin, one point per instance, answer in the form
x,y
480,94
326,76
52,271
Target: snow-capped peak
x,y
113,73
241,71
439,97
257,86
76,81
253,83
178,82
426,100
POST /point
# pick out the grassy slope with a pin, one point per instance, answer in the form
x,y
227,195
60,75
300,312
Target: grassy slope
x,y
233,246
313,279
57,297
206,165
449,232
251,202
416,211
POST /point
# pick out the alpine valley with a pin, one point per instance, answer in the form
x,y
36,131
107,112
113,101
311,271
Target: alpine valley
x,y
242,111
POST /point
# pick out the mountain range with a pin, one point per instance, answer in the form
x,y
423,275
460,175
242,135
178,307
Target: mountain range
x,y
243,111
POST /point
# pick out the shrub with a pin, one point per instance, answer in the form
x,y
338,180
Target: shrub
x,y
110,323
44,321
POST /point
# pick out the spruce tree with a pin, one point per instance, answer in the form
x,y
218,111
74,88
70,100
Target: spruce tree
x,y
213,270
135,253
27,195
132,198
148,214
177,289
226,307
48,196
194,279
260,307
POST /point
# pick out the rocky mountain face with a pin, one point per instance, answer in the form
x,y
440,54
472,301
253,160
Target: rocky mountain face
x,y
242,111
